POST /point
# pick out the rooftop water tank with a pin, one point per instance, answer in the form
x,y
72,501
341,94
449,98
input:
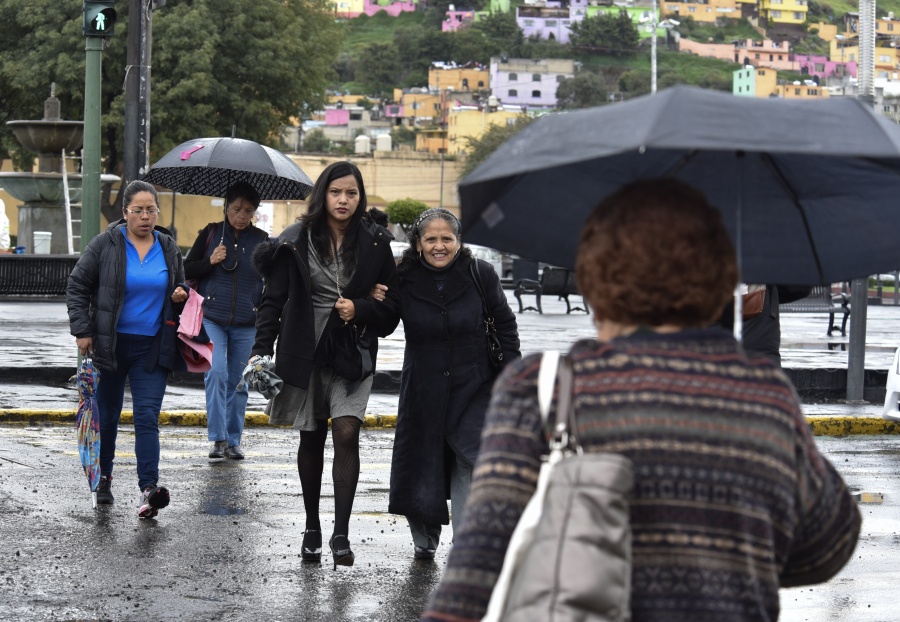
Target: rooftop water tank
x,y
383,143
363,144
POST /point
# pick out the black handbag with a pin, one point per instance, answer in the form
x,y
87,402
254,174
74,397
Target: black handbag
x,y
495,351
346,351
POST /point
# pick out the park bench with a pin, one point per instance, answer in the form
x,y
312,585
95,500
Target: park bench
x,y
821,300
34,276
553,282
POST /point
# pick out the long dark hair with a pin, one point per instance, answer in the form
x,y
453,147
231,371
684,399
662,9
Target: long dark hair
x,y
316,217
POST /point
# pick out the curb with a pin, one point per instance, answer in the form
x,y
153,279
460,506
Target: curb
x,y
821,425
190,418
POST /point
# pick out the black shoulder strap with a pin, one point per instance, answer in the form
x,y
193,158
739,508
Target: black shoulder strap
x,y
476,276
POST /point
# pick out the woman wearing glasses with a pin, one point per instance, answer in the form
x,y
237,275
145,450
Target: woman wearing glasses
x,y
120,297
220,261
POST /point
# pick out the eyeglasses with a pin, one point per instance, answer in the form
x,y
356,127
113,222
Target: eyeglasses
x,y
140,212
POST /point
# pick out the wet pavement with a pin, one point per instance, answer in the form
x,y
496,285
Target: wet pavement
x,y
227,547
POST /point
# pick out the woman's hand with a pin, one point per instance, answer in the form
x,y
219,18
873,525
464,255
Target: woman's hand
x,y
179,295
218,255
85,345
346,310
379,291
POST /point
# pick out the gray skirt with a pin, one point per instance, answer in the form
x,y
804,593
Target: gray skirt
x,y
326,398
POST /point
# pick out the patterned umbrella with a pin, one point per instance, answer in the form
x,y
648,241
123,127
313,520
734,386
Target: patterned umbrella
x,y
208,166
87,423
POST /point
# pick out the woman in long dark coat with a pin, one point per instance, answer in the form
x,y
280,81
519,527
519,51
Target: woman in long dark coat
x,y
447,375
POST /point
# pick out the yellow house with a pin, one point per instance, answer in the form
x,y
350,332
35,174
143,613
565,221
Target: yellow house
x,y
469,122
458,78
420,105
702,11
753,81
827,32
432,140
350,8
799,90
887,26
784,11
886,58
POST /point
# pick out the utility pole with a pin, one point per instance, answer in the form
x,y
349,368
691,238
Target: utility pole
x,y
137,89
653,49
859,294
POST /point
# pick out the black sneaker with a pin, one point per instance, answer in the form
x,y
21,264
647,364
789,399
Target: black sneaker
x,y
104,489
153,499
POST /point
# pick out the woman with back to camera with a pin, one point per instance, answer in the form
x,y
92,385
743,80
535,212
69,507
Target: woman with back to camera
x,y
120,298
318,277
731,498
447,374
220,260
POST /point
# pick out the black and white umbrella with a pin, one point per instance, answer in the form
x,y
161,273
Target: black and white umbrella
x,y
208,166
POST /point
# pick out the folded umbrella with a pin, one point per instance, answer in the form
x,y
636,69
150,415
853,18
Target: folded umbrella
x,y
87,423
259,375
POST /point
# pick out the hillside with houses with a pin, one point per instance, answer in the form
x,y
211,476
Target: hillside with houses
x,y
437,77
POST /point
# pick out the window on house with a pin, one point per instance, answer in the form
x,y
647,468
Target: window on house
x,y
813,91
551,23
465,83
535,93
480,83
796,91
356,116
775,14
798,15
692,9
890,27
513,93
535,77
762,72
819,67
780,57
757,56
513,77
884,58
529,23
771,57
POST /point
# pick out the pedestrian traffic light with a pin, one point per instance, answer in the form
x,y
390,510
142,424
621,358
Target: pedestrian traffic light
x,y
99,18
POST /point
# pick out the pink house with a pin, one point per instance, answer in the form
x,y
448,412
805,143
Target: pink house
x,y
393,9
337,116
822,67
456,20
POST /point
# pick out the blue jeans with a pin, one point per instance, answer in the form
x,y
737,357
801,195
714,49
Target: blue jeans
x,y
147,391
226,405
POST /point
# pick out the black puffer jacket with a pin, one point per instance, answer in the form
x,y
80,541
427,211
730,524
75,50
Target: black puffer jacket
x,y
95,294
286,311
229,298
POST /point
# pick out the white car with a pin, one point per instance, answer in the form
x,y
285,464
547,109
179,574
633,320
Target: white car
x,y
490,255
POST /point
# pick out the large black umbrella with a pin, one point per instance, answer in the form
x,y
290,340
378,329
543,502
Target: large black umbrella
x,y
809,190
208,166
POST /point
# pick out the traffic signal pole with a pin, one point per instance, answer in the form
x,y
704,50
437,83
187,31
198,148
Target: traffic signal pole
x,y
90,172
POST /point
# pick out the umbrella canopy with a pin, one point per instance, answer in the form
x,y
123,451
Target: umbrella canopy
x,y
208,166
87,423
807,189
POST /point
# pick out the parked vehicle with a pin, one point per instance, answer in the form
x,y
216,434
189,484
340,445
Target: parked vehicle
x,y
490,255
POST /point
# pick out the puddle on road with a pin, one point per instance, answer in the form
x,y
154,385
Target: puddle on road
x,y
831,345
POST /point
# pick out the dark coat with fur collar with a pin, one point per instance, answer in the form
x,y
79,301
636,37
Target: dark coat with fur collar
x,y
286,309
446,383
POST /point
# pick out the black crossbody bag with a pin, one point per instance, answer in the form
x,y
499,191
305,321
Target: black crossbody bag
x,y
495,352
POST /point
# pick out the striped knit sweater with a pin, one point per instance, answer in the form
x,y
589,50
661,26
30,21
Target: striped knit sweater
x,y
731,497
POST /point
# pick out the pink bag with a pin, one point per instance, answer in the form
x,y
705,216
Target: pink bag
x,y
197,356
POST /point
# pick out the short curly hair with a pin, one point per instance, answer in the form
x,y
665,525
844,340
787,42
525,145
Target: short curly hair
x,y
654,253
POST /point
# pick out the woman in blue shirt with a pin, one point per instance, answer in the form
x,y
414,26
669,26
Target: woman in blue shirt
x,y
120,299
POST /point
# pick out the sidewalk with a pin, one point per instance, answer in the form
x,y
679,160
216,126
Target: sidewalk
x,y
38,356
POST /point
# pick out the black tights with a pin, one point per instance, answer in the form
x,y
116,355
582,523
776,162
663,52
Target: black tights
x,y
344,470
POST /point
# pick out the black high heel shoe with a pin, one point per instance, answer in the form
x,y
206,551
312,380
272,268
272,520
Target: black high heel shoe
x,y
340,551
311,551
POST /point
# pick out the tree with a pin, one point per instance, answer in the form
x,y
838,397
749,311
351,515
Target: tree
x,y
315,140
402,135
243,72
502,32
403,212
487,143
586,89
378,68
613,34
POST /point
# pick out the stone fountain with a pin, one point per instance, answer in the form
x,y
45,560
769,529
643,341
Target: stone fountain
x,y
42,192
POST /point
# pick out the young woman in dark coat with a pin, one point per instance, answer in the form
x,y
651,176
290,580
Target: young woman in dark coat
x,y
318,277
447,375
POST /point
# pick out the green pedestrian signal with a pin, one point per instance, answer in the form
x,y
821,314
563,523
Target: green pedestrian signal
x,y
99,18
